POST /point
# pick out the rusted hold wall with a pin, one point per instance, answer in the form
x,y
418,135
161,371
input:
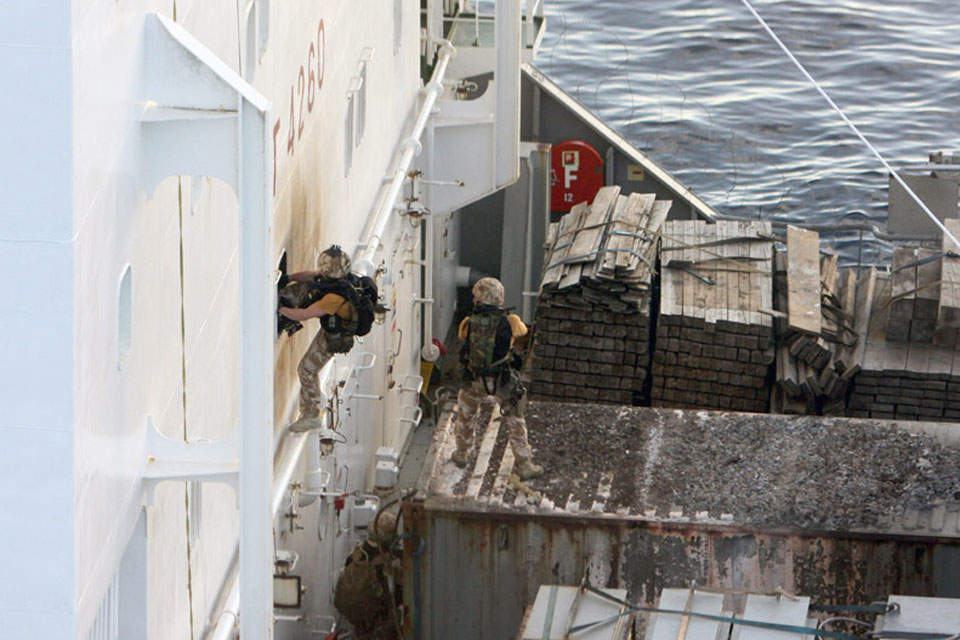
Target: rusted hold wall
x,y
480,573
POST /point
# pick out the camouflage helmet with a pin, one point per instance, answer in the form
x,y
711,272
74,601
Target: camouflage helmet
x,y
333,263
488,291
385,526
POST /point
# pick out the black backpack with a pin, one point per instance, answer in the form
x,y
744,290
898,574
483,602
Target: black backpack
x,y
487,349
360,291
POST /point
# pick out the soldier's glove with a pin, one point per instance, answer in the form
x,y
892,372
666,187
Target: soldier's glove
x,y
285,324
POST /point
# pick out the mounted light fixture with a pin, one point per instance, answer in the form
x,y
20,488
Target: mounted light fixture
x,y
328,438
380,311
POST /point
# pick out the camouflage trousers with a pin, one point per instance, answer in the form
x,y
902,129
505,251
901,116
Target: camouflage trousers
x,y
511,396
317,355
319,352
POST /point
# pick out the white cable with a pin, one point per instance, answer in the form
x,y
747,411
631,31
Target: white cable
x,y
852,126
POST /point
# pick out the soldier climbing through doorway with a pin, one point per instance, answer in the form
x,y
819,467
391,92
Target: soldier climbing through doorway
x,y
345,304
491,368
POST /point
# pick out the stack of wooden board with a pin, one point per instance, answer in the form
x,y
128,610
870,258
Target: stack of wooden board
x,y
598,356
924,295
601,256
822,315
907,381
714,335
592,325
904,380
947,331
915,295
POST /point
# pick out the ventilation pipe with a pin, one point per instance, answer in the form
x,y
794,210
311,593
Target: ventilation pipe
x,y
466,277
429,351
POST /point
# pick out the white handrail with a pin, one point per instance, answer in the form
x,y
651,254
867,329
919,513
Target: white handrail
x,y
373,234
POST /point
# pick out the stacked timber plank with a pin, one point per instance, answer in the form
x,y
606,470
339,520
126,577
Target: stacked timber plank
x,y
593,312
915,295
820,311
601,256
907,381
713,347
913,379
595,356
907,357
947,332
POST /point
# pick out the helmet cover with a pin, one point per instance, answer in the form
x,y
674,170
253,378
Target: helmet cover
x,y
333,263
488,291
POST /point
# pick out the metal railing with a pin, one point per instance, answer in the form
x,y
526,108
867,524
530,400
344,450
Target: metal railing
x,y
451,12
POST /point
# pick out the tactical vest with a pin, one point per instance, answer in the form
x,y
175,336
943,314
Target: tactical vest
x,y
488,342
359,291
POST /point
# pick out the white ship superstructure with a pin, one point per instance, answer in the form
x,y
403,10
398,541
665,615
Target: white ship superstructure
x,y
161,161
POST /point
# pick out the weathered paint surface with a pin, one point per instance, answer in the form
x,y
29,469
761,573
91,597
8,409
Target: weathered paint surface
x,y
479,572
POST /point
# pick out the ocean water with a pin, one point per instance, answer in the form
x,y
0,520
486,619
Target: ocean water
x,y
702,89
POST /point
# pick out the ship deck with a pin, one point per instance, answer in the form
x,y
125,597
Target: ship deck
x,y
734,471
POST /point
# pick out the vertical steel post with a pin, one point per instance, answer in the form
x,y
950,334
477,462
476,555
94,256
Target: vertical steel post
x,y
256,377
507,78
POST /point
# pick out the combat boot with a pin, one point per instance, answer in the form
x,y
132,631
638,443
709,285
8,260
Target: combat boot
x,y
527,470
306,423
459,457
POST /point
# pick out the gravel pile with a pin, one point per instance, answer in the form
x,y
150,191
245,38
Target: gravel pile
x,y
766,470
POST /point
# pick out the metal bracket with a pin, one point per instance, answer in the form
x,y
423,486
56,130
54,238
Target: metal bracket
x,y
364,396
365,364
417,384
191,128
414,417
393,353
176,460
443,183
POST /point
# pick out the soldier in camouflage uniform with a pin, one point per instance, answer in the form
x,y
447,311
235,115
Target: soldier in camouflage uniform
x,y
332,264
487,362
372,574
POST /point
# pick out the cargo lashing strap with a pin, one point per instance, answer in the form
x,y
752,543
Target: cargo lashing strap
x,y
760,237
878,608
928,259
911,635
594,254
644,234
821,633
736,260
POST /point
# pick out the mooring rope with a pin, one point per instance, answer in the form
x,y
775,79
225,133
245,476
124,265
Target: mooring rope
x,y
853,127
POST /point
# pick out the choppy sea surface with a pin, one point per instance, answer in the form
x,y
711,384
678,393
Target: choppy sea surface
x,y
702,89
